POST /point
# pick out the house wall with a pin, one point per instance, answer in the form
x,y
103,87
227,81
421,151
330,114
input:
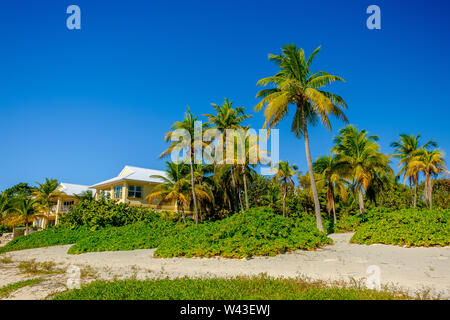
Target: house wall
x,y
147,189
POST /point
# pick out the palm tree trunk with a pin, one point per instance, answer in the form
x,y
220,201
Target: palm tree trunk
x,y
194,196
334,213
430,191
236,198
415,195
361,201
284,200
26,228
311,173
245,187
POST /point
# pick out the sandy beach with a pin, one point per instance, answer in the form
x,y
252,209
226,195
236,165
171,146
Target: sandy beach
x,y
411,269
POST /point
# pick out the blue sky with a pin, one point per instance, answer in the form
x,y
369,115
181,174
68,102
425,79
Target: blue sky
x,y
79,105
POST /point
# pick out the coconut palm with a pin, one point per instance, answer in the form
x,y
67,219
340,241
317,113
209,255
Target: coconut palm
x,y
332,173
405,150
246,162
361,155
228,118
431,163
284,175
26,209
296,85
47,193
188,125
174,187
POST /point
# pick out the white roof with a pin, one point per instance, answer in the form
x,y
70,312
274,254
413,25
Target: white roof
x,y
135,174
71,189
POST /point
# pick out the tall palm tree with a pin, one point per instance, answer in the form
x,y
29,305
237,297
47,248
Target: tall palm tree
x,y
47,193
227,118
187,124
284,175
405,150
175,187
431,163
296,85
361,154
332,173
26,209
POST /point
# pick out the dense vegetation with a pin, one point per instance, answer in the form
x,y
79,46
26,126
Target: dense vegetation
x,y
257,288
49,237
104,213
139,235
410,227
256,232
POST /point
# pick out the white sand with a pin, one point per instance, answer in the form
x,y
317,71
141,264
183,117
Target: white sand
x,y
409,268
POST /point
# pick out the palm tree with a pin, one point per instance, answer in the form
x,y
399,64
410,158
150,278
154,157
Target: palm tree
x,y
87,195
228,118
361,155
284,174
431,163
405,150
175,187
46,193
5,206
187,124
295,85
332,174
26,208
203,189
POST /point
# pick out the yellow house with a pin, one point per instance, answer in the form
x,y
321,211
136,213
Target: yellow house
x,y
132,186
63,204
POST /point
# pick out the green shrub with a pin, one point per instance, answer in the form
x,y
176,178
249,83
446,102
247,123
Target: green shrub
x,y
140,235
410,227
254,233
48,237
349,223
256,288
104,213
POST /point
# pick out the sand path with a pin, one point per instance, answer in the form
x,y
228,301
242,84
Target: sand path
x,y
411,269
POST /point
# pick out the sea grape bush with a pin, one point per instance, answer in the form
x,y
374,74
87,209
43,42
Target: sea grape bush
x,y
48,237
256,232
409,227
139,235
104,213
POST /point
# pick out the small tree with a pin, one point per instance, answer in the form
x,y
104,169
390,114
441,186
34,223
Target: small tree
x,y
26,209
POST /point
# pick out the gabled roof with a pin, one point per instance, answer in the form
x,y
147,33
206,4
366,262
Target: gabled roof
x,y
71,189
134,174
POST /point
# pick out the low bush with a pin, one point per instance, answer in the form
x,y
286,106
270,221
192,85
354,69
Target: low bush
x,y
254,233
410,227
103,213
139,235
48,237
256,288
349,223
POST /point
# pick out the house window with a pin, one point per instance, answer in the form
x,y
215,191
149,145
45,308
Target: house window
x,y
135,192
38,223
118,192
68,203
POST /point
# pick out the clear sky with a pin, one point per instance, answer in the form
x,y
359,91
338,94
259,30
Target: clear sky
x,y
78,105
